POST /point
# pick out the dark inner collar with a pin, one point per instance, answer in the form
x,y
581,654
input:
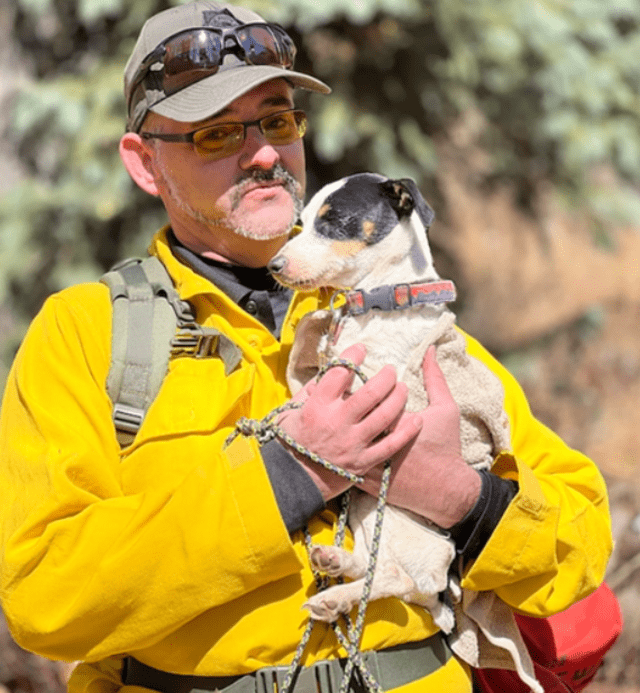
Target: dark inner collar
x,y
234,280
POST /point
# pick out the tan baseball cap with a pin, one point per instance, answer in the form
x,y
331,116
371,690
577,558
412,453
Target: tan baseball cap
x,y
145,79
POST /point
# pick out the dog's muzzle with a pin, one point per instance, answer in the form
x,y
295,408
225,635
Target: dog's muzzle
x,y
277,264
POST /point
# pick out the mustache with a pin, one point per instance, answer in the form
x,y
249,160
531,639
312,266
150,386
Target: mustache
x,y
277,172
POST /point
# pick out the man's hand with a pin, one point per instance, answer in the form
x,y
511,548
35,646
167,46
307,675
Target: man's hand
x,y
429,475
347,429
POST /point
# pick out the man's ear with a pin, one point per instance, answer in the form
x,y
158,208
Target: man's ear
x,y
138,162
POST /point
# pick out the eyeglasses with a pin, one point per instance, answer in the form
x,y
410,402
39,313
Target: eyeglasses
x,y
189,56
219,141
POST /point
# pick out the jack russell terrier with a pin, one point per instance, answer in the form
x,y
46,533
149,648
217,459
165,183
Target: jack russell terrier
x,y
365,236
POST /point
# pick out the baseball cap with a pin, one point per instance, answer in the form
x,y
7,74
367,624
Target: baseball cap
x,y
227,76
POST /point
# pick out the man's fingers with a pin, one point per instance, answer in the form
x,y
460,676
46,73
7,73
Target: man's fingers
x,y
304,393
435,383
404,432
337,380
374,391
389,401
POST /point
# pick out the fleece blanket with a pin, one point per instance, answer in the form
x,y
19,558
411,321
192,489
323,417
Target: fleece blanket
x,y
486,634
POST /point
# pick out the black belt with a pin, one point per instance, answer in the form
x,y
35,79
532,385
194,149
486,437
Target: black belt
x,y
392,667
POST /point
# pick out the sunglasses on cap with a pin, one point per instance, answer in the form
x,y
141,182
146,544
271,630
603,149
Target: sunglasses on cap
x,y
219,141
191,55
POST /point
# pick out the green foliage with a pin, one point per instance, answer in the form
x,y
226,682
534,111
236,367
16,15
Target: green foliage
x,y
77,210
556,81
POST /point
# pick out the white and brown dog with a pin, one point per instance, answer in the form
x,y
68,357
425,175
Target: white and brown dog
x,y
366,237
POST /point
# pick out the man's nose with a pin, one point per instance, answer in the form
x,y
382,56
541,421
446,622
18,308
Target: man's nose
x,y
257,152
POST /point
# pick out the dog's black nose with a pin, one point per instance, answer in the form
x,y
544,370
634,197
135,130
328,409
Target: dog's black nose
x,y
277,264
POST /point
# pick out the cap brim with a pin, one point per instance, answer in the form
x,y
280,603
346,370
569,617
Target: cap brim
x,y
210,95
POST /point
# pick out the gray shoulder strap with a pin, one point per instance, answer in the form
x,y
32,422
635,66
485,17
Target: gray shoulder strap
x,y
144,323
150,324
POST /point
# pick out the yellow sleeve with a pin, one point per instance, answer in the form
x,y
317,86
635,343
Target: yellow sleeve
x,y
552,545
104,552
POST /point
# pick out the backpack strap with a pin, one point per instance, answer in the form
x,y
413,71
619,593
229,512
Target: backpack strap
x,y
151,324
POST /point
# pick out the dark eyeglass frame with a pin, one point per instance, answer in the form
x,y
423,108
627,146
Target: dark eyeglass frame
x,y
285,52
236,145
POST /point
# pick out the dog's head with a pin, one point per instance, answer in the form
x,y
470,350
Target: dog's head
x,y
361,226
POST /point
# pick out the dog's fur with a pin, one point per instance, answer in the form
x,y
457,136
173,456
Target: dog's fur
x,y
363,232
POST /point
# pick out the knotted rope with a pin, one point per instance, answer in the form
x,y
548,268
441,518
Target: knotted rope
x,y
267,429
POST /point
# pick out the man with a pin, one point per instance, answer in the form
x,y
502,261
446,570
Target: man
x,y
178,556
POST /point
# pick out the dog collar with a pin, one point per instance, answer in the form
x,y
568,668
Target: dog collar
x,y
399,296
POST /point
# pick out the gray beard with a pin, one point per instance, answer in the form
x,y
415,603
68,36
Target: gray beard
x,y
278,172
254,176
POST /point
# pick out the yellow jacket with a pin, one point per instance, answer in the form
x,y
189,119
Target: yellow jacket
x,y
173,549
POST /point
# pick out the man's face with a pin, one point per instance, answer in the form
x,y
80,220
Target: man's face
x,y
239,208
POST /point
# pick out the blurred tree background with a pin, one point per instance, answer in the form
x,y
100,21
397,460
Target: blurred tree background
x,y
556,83
519,119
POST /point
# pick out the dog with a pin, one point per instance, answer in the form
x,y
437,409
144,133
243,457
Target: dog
x,y
366,236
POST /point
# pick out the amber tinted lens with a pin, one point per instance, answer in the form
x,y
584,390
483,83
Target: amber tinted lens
x,y
190,57
220,140
284,128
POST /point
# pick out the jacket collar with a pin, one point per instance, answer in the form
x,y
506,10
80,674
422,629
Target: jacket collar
x,y
190,285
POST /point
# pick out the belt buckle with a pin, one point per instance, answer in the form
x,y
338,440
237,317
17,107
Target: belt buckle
x,y
305,681
267,680
320,677
328,676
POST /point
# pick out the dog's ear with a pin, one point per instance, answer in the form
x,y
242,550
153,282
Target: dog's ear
x,y
405,197
400,199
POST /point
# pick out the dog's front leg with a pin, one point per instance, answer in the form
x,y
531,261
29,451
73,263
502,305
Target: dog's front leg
x,y
336,562
339,599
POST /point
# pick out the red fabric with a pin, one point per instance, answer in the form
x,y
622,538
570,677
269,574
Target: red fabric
x,y
566,648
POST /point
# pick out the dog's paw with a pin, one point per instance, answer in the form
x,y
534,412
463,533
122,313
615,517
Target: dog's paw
x,y
327,559
455,591
322,608
443,617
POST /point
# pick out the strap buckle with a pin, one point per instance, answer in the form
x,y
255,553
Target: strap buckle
x,y
402,296
328,676
355,302
127,418
269,679
378,298
195,344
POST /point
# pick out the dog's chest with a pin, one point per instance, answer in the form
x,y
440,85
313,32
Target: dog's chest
x,y
389,338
